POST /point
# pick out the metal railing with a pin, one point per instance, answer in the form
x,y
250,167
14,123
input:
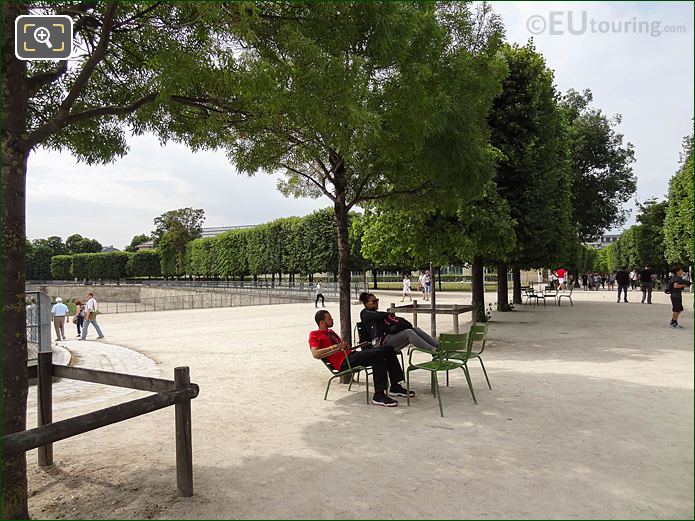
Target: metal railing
x,y
38,324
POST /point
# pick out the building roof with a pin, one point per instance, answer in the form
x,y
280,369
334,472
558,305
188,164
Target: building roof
x,y
216,230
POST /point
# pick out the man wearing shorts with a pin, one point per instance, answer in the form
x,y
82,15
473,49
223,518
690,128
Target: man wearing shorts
x,y
675,285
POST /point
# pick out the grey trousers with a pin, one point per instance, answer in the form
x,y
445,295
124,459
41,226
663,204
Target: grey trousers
x,y
85,327
415,336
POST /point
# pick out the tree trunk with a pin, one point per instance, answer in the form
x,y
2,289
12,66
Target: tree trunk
x,y
439,278
15,154
478,299
374,275
341,216
575,273
516,275
502,288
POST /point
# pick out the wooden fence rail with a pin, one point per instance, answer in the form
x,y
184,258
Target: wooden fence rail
x,y
178,392
52,432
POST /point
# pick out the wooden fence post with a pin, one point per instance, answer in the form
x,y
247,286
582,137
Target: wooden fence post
x,y
45,402
414,313
184,450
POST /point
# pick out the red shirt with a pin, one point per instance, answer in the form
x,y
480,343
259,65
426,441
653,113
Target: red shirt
x,y
327,338
561,273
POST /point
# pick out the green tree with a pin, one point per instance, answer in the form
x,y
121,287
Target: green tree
x,y
137,241
78,244
532,172
392,103
118,80
601,166
650,233
627,253
678,222
39,264
186,222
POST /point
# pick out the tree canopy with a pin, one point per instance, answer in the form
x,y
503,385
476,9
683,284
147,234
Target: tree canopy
x,y
678,221
601,164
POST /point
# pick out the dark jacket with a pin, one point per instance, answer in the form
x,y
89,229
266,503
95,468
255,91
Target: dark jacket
x,y
622,277
373,321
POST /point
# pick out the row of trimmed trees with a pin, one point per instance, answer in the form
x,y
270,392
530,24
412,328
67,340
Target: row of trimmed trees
x,y
663,235
106,266
292,245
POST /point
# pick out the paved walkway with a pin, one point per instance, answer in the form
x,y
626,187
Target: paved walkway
x,y
590,416
69,394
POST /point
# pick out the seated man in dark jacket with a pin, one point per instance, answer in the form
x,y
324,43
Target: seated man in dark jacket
x,y
373,320
325,343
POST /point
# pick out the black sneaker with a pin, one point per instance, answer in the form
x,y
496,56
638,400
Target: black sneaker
x,y
384,401
399,390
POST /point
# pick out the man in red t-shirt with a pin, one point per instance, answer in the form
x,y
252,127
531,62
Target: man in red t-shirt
x,y
325,343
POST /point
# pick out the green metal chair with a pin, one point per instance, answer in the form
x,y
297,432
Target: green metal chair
x,y
351,371
448,344
477,336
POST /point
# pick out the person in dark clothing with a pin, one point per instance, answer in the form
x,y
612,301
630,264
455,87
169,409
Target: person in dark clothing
x,y
373,319
622,277
675,285
585,281
645,278
325,343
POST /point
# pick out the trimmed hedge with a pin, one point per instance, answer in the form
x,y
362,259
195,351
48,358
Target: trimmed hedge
x,y
61,267
113,265
290,245
145,263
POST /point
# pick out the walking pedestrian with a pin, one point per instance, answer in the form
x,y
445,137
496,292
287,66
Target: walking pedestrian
x,y
319,295
406,288
78,319
427,282
645,278
90,317
622,277
675,287
633,279
59,314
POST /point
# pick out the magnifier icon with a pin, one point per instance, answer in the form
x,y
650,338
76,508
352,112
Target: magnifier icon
x,y
43,35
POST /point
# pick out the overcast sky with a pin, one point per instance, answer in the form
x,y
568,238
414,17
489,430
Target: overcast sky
x,y
645,76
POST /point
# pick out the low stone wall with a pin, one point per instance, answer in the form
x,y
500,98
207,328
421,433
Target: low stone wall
x,y
135,298
124,293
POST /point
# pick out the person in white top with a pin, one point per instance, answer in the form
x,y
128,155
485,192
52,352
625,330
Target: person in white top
x,y
633,279
90,317
406,288
59,314
319,295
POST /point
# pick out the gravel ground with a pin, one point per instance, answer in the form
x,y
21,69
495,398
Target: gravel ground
x,y
590,416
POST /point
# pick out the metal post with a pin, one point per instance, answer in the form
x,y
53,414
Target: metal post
x,y
184,450
45,403
433,305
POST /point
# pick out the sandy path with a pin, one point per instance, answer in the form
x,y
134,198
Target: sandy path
x,y
590,415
